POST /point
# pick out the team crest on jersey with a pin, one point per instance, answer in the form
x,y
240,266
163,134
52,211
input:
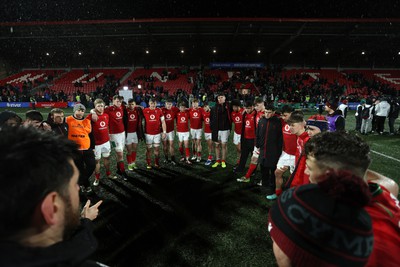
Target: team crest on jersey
x,y
103,124
152,117
118,114
132,116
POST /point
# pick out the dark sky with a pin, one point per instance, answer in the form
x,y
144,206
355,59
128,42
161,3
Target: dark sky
x,y
53,10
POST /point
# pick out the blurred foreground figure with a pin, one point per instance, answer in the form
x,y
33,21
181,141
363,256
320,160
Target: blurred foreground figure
x,y
323,225
337,151
41,223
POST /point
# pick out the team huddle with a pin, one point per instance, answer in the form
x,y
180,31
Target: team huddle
x,y
121,127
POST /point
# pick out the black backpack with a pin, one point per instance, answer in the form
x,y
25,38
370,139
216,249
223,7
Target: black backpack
x,y
365,113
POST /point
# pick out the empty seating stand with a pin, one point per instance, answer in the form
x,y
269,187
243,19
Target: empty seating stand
x,y
89,80
34,76
141,75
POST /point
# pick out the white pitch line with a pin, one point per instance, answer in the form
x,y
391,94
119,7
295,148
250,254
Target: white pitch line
x,y
386,156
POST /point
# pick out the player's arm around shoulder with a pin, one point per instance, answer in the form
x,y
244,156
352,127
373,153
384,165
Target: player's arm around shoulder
x,y
386,182
87,124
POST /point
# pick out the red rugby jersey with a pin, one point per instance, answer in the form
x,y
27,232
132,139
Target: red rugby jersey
x,y
206,118
116,122
249,126
300,177
132,120
237,120
100,128
196,118
182,122
384,210
153,120
289,139
170,115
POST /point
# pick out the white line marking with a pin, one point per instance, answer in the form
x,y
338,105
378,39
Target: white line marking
x,y
386,156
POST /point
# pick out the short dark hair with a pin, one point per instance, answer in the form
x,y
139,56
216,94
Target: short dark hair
x,y
270,107
46,168
340,151
131,100
295,117
258,100
235,102
248,104
34,115
286,109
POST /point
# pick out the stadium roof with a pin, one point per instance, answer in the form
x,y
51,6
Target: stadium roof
x,y
77,37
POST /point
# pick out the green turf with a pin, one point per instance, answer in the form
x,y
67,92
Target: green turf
x,y
197,216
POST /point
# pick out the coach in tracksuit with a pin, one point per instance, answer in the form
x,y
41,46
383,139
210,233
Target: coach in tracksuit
x,y
269,139
220,124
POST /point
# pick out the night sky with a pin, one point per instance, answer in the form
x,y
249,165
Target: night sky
x,y
50,10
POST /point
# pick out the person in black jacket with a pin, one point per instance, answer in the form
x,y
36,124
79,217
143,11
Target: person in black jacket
x,y
393,114
41,223
57,123
269,139
220,124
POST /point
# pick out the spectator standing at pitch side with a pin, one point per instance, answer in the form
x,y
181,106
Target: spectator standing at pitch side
x,y
393,114
334,117
343,107
366,116
220,123
381,112
358,115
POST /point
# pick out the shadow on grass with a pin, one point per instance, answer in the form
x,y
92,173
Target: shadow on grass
x,y
181,216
